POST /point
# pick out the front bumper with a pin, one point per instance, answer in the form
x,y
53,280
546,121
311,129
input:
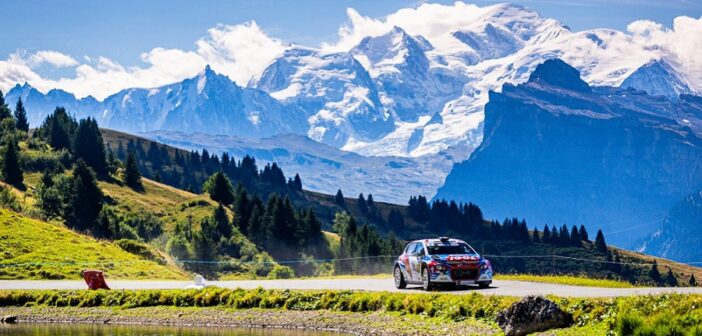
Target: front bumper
x,y
448,276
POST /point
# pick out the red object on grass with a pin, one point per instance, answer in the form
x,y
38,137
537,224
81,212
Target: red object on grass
x,y
95,280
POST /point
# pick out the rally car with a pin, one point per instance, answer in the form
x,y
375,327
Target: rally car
x,y
428,262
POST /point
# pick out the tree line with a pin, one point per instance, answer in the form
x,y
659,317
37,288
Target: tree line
x,y
72,157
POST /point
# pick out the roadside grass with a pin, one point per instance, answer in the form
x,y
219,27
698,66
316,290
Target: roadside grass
x,y
665,314
566,280
32,249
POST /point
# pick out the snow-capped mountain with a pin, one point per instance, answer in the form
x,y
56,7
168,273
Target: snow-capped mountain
x,y
404,91
400,92
658,78
208,102
42,104
336,93
410,87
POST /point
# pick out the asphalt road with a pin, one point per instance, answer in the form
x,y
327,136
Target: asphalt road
x,y
499,287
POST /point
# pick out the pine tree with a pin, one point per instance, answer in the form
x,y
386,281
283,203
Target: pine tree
x,y
256,228
617,266
564,236
121,154
86,199
339,199
370,202
221,219
362,206
203,243
654,274
583,234
670,279
11,170
575,236
297,183
547,235
4,110
219,188
600,244
89,146
396,221
132,177
242,208
21,121
58,129
535,236
693,281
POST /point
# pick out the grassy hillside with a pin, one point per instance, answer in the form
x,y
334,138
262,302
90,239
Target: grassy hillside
x,y
588,261
33,249
163,215
171,206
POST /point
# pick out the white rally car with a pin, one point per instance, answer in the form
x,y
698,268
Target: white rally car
x,y
428,262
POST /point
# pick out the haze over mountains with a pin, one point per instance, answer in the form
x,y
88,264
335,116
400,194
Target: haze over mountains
x,y
392,113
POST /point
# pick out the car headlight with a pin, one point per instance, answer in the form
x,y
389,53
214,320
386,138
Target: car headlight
x,y
442,268
484,266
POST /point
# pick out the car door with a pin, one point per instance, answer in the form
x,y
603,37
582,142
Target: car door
x,y
405,260
416,262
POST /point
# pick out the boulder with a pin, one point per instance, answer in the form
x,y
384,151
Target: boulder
x,y
8,319
532,314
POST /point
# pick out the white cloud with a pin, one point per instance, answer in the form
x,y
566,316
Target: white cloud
x,y
12,72
53,58
243,51
432,21
682,44
240,52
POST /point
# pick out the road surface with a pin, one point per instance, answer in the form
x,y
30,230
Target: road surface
x,y
499,287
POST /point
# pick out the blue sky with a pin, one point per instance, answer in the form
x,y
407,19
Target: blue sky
x,y
122,30
90,47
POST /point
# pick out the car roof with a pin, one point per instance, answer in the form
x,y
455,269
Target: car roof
x,y
433,241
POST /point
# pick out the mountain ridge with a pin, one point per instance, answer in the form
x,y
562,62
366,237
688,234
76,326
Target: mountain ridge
x,y
608,158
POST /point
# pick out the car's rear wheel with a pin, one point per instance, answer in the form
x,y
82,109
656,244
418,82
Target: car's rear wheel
x,y
400,282
426,281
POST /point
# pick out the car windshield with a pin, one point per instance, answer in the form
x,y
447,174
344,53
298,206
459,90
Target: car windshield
x,y
450,249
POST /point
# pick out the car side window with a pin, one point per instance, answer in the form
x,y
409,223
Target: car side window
x,y
410,248
419,249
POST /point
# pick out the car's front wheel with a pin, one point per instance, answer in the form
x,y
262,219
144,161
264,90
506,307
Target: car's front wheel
x,y
426,281
400,282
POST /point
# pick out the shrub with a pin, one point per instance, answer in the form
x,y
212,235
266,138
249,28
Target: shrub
x,y
8,199
281,272
627,324
140,249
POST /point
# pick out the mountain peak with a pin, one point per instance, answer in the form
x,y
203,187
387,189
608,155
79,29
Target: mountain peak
x,y
207,71
658,78
558,73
